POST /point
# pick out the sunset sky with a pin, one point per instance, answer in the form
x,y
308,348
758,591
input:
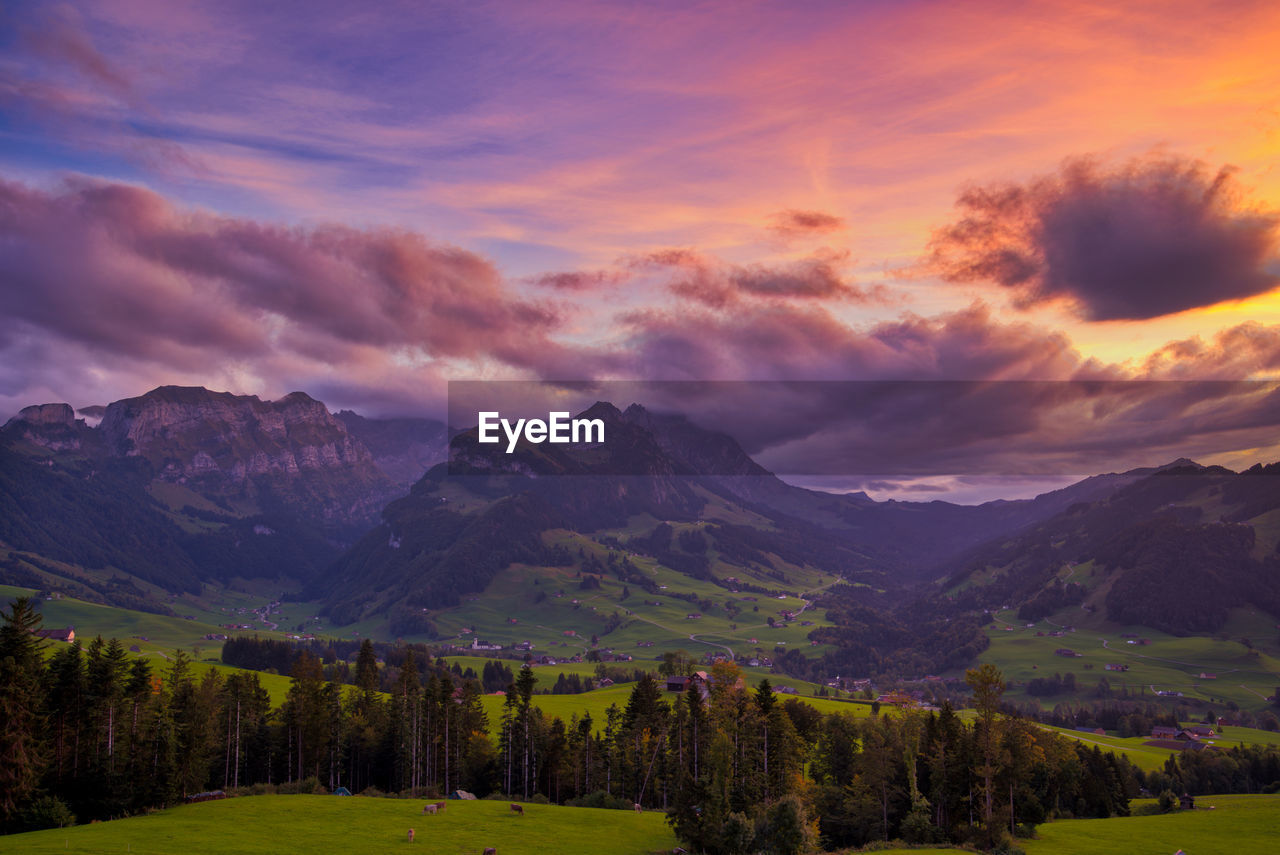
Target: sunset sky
x,y
366,200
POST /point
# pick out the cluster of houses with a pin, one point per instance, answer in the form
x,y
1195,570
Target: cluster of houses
x,y
1182,738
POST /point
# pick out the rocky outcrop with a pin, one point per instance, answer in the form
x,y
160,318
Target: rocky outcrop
x,y
291,453
51,426
193,432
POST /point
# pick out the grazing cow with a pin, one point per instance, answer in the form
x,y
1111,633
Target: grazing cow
x,y
411,835
489,850
440,806
638,808
431,809
515,808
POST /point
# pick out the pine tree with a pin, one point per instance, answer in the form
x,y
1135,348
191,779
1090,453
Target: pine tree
x,y
988,687
21,702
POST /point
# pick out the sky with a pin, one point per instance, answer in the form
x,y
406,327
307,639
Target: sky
x,y
365,201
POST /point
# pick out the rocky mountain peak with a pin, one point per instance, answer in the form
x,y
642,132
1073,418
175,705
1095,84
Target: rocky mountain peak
x,y
46,414
51,426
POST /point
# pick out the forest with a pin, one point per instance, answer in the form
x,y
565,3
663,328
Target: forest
x,y
92,734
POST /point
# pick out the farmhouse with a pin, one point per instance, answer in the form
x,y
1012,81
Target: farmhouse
x,y
1164,732
677,682
1066,651
1200,731
1111,666
68,635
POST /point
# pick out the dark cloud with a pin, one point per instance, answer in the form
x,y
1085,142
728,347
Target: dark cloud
x,y
119,271
792,223
1150,237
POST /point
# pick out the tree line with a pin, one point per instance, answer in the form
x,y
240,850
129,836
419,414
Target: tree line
x,y
91,733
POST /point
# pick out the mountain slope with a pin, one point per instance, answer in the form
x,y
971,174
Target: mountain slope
x,y
1175,550
662,489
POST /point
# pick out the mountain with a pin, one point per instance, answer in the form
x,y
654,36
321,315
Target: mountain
x,y
184,484
289,454
1175,550
687,498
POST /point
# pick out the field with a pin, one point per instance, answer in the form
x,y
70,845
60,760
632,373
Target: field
x,y
1233,671
315,825
1148,757
1241,825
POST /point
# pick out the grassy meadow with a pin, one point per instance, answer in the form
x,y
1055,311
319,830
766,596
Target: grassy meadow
x,y
1233,670
1240,825
317,825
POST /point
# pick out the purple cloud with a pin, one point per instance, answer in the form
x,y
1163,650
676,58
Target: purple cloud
x,y
1150,237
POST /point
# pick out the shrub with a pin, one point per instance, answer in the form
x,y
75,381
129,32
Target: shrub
x,y
47,812
601,799
306,786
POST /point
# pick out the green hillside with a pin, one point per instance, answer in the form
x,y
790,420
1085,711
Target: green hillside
x,y
1234,671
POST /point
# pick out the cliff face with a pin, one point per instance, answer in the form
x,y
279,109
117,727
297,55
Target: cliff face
x,y
192,432
51,426
290,453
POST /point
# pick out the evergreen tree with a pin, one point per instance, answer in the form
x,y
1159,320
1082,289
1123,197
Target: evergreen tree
x,y
21,707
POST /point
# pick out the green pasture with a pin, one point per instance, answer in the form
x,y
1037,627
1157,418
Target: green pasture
x,y
316,825
1234,671
1145,757
1240,825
